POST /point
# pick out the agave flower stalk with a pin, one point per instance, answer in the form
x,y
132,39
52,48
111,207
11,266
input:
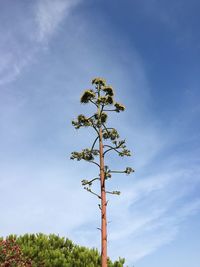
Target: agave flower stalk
x,y
107,138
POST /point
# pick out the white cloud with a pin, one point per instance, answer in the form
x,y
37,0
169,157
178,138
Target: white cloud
x,y
49,14
11,65
150,212
152,207
21,42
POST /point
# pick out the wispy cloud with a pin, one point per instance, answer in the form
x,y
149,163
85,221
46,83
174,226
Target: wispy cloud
x,y
49,14
151,213
20,44
12,65
155,201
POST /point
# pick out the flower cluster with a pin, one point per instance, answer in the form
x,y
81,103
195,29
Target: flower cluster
x,y
85,182
102,117
116,193
96,120
128,170
85,154
125,152
102,97
81,121
105,100
99,81
99,99
87,96
119,107
110,134
107,173
108,90
120,148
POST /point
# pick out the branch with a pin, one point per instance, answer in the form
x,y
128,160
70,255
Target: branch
x,y
117,171
94,162
85,182
94,142
105,128
94,127
113,192
109,109
91,117
102,109
110,128
93,103
110,133
89,190
111,148
128,170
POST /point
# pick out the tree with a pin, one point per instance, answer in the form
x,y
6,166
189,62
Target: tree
x,y
48,251
102,97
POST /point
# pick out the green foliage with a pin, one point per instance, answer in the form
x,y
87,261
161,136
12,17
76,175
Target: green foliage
x,y
48,251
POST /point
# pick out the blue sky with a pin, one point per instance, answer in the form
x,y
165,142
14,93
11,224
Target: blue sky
x,y
149,52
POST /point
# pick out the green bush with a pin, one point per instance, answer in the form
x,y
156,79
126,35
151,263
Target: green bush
x,y
54,251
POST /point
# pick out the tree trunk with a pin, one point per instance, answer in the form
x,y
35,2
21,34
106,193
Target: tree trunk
x,y
103,205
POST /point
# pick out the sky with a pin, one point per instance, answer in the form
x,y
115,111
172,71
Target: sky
x,y
149,51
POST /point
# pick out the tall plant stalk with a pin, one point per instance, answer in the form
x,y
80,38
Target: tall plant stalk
x,y
108,138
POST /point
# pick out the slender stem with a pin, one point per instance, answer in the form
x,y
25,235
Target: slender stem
x,y
110,128
105,128
91,161
101,109
111,148
94,142
109,109
91,117
103,197
116,146
107,151
89,190
111,192
93,103
117,171
95,128
89,182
